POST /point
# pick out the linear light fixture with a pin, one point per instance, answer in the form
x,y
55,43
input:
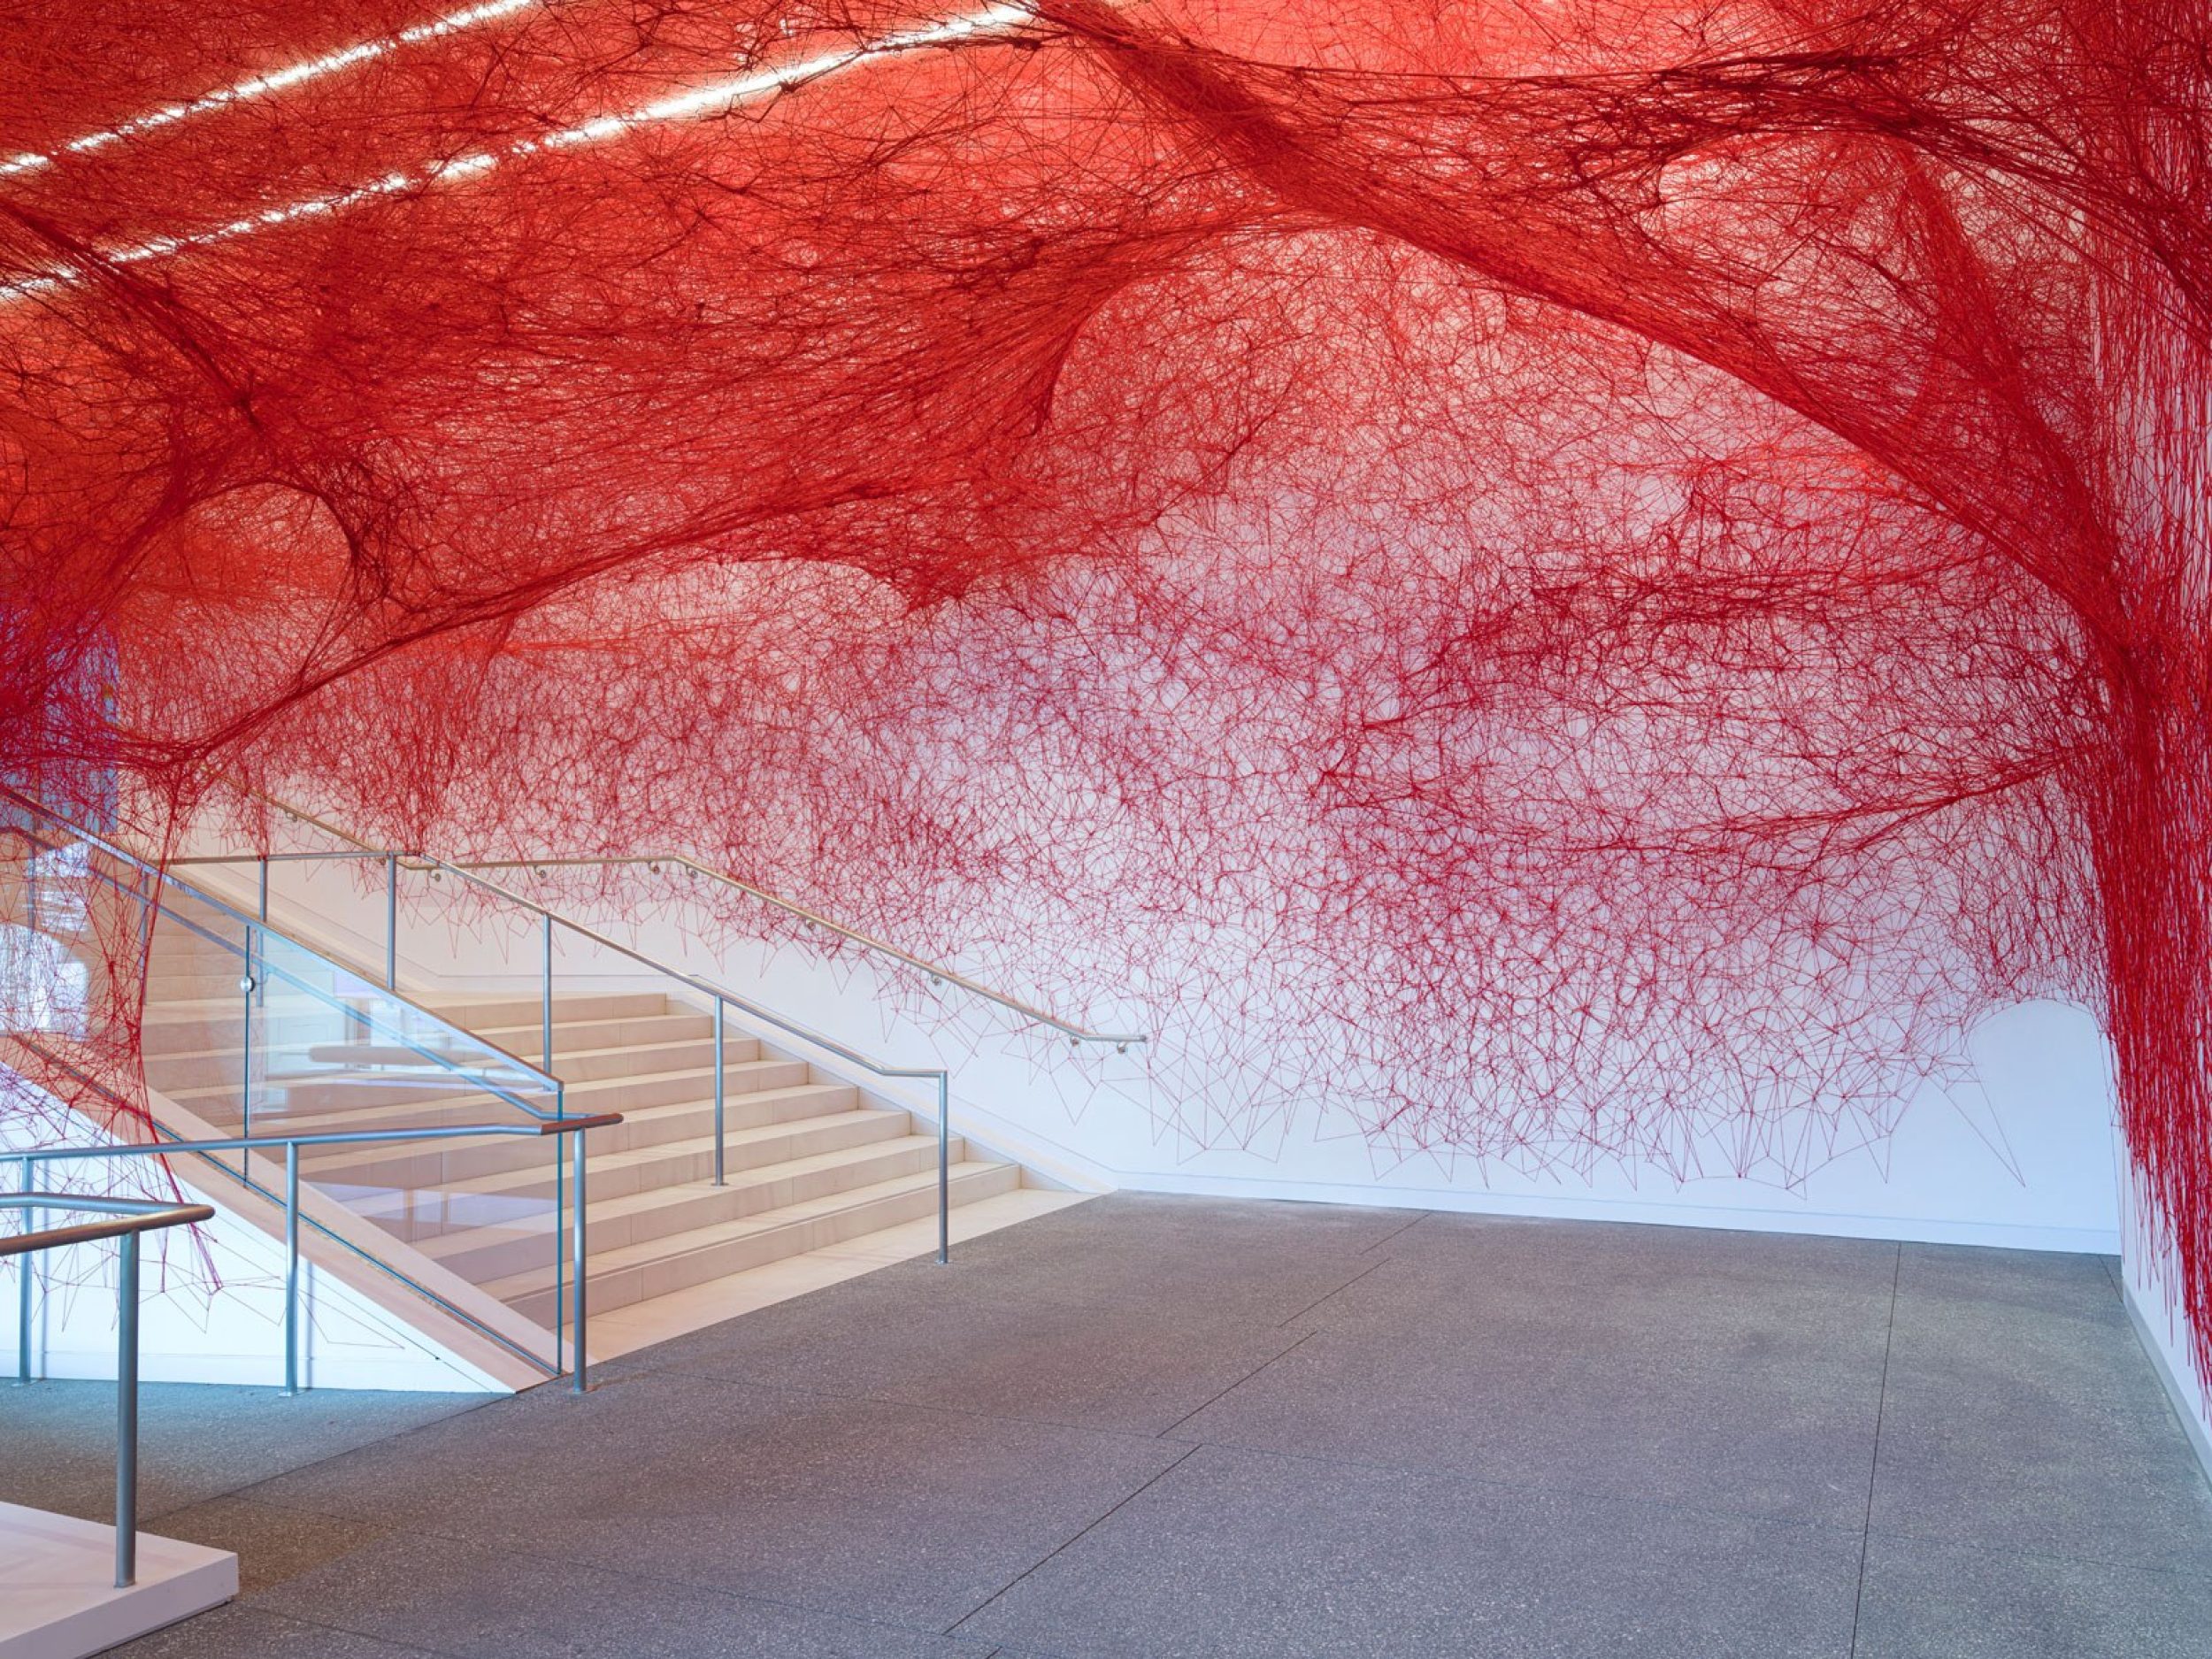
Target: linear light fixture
x,y
713,99
275,80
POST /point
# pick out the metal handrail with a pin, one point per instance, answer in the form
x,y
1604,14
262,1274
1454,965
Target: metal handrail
x,y
137,1216
544,1078
723,998
29,1162
937,972
140,1215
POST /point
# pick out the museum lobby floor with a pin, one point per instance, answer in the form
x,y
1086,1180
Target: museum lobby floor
x,y
1149,1426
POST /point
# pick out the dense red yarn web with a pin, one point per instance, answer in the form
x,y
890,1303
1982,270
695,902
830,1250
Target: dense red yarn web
x,y
1581,584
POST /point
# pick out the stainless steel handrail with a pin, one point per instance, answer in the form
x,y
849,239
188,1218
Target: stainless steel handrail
x,y
937,972
723,999
137,1216
141,1215
28,1163
543,1078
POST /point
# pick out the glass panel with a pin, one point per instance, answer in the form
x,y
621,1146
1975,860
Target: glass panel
x,y
314,1047
332,1039
476,1220
193,1032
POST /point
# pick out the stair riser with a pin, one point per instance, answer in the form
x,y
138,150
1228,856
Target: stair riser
x,y
434,1166
220,983
220,1065
314,1107
843,1134
628,1089
686,1159
712,1205
593,1036
174,954
453,1166
576,1066
176,1072
201,1071
523,1226
619,1287
450,1112
657,1128
300,1059
575,1060
221,1030
200,984
505,1252
679,1088
570,1035
567,1008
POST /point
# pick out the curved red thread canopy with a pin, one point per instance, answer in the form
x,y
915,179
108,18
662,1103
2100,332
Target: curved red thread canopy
x,y
1582,582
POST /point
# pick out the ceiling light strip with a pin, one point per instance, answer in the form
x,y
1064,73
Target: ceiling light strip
x,y
714,99
275,80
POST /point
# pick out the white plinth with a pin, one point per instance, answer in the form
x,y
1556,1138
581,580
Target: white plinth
x,y
57,1594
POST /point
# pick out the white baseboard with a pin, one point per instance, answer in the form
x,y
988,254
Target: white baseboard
x,y
2182,1392
1580,1206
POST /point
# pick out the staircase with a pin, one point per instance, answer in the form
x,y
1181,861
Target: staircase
x,y
811,1162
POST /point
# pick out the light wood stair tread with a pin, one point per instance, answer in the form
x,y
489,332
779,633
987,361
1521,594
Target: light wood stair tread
x,y
764,1221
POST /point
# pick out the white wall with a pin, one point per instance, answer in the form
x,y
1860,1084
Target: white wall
x,y
2019,1151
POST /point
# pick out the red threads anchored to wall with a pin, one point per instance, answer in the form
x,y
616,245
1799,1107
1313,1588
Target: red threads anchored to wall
x,y
1568,584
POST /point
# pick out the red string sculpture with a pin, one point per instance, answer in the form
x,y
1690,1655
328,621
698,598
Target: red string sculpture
x,y
1585,581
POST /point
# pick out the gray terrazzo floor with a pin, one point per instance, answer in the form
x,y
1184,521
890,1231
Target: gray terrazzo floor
x,y
1152,1426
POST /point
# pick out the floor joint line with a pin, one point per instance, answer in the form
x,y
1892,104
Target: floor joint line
x,y
1418,1218
1233,1387
1068,1543
1339,1290
1874,1470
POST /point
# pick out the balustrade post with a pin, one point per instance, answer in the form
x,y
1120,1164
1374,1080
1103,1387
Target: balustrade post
x,y
26,1265
127,1413
247,983
292,1267
545,997
577,1290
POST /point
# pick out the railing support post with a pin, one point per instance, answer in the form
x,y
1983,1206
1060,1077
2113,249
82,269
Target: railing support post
x,y
720,1031
292,1267
576,1157
391,921
944,1168
26,1266
560,1256
245,1045
264,886
127,1413
545,999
